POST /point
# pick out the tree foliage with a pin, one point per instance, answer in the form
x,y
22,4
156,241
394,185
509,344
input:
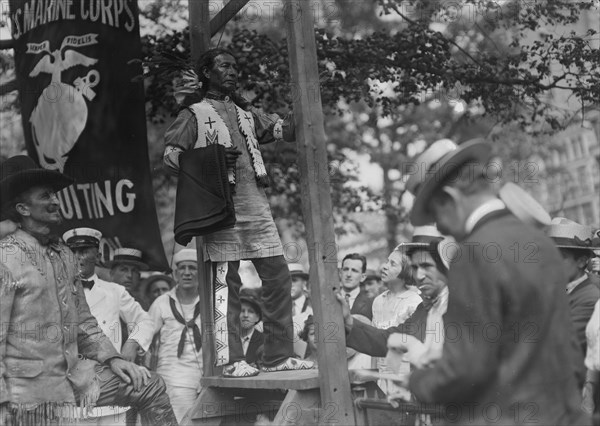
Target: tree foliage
x,y
500,61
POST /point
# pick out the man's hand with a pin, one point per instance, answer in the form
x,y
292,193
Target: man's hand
x,y
404,347
348,320
588,403
129,350
231,155
130,373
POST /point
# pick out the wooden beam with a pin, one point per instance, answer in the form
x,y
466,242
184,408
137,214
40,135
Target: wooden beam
x,y
199,43
317,211
199,27
225,15
9,86
7,44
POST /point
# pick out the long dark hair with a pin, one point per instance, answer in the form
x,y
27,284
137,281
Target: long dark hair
x,y
207,60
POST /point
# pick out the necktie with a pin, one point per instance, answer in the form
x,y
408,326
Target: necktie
x,y
347,295
87,284
190,324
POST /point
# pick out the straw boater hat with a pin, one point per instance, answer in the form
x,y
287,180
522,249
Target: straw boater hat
x,y
20,173
523,205
190,255
436,165
296,269
571,235
128,256
422,237
77,238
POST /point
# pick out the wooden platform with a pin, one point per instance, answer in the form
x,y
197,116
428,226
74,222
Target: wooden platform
x,y
296,380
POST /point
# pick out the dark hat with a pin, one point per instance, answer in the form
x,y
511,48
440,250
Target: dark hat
x,y
371,274
20,173
297,270
147,283
571,235
304,333
253,298
82,237
435,165
128,256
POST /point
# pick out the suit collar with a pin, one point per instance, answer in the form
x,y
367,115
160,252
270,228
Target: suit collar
x,y
94,295
577,284
488,217
480,212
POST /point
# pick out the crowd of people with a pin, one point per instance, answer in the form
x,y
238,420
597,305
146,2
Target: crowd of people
x,y
490,308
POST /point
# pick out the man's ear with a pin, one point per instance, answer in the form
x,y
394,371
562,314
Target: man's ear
x,y
363,277
22,209
206,72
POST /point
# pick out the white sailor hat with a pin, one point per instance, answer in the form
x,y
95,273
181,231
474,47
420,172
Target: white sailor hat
x,y
127,255
523,205
183,255
82,237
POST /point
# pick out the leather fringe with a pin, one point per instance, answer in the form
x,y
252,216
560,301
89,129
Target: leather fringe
x,y
40,414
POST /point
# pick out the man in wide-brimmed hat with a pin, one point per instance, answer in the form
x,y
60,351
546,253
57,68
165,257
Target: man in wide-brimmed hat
x,y
576,246
42,375
251,314
509,276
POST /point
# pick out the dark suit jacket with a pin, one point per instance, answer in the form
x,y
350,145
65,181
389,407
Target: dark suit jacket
x,y
509,306
255,348
363,305
581,301
373,341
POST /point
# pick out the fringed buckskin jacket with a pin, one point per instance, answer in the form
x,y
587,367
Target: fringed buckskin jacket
x,y
46,328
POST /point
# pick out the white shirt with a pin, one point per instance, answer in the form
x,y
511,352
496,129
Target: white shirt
x,y
391,309
110,302
484,209
353,295
299,317
592,333
246,341
186,370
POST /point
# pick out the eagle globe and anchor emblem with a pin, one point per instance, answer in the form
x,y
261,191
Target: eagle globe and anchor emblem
x,y
61,112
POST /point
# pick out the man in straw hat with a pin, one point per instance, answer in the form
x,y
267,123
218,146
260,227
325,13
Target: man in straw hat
x,y
430,267
125,266
575,243
42,375
301,306
507,302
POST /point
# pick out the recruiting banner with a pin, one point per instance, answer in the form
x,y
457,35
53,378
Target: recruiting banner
x,y
83,115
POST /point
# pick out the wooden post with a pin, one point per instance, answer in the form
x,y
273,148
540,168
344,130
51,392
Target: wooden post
x,y
199,43
316,206
199,27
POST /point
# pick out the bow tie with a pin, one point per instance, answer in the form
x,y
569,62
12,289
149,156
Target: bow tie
x,y
87,284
